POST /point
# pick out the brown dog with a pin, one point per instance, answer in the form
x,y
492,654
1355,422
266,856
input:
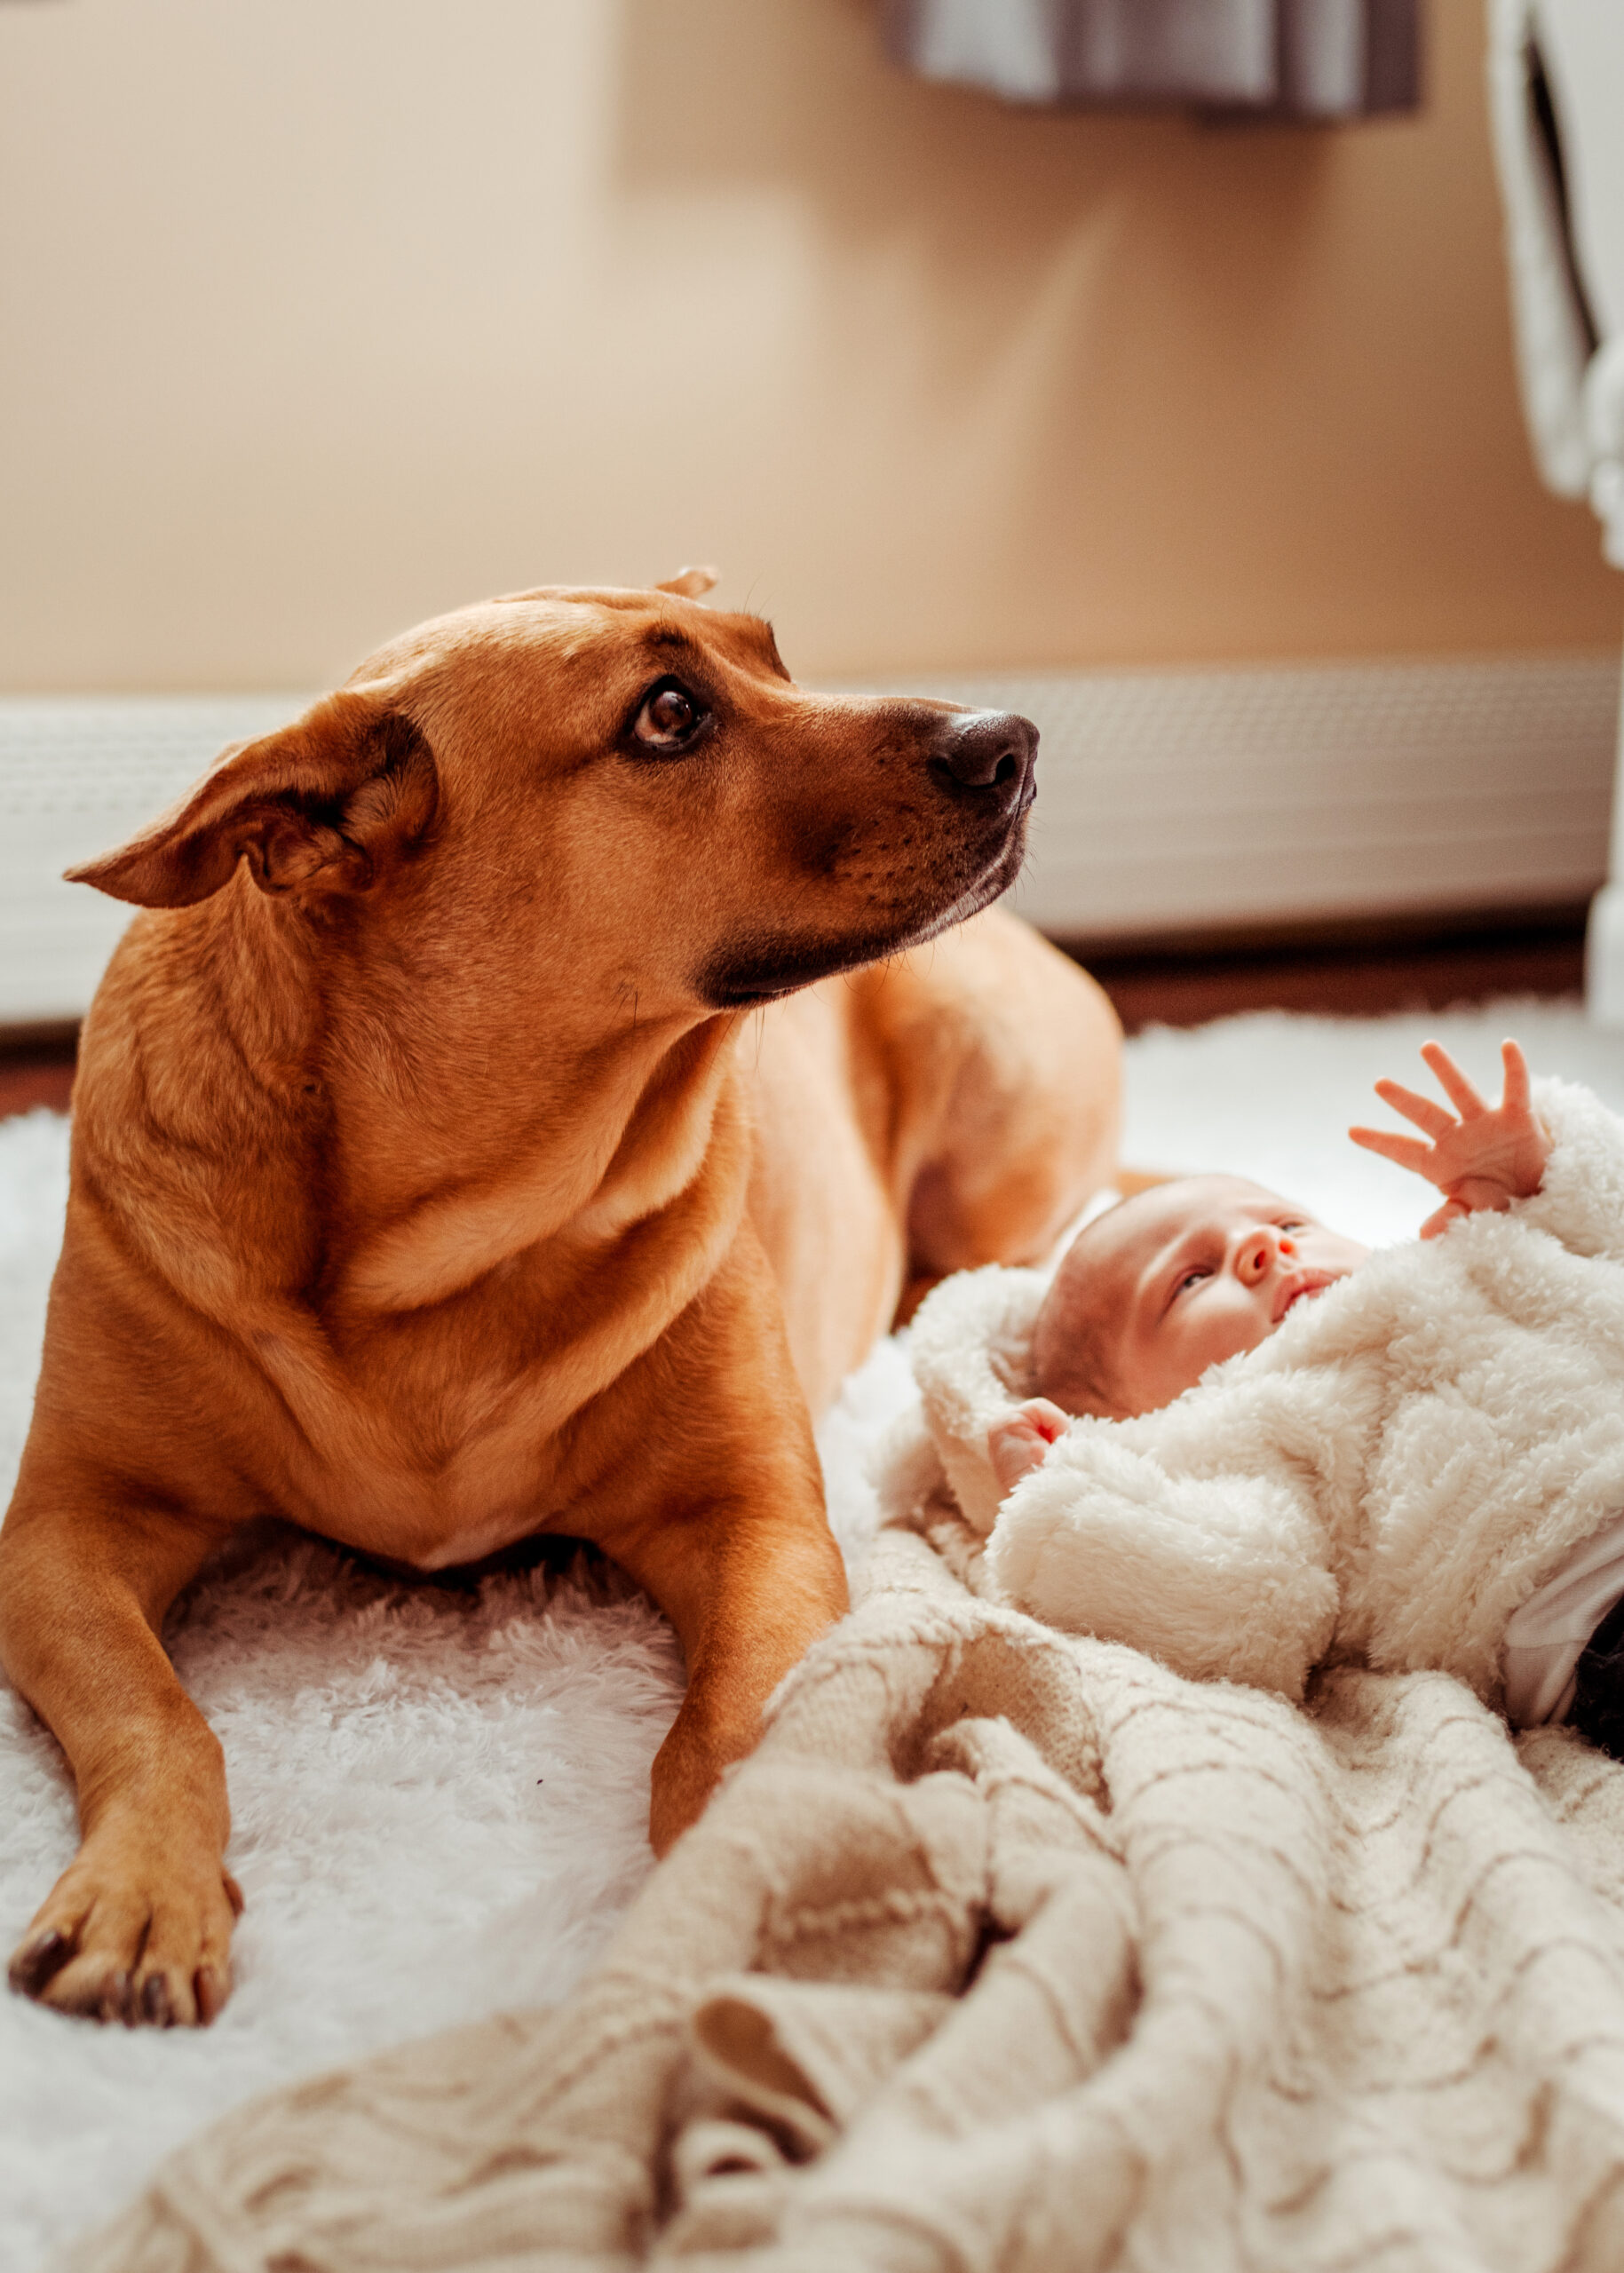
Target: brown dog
x,y
433,1183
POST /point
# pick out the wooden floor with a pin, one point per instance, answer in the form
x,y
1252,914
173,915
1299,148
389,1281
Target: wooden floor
x,y
1177,984
1353,977
33,1074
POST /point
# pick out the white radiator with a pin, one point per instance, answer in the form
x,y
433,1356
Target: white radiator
x,y
1198,800
78,775
1168,800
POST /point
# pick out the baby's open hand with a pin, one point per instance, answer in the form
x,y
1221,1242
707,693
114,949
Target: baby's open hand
x,y
1021,1440
1491,1156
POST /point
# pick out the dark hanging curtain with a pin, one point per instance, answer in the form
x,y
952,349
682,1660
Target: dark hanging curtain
x,y
1293,58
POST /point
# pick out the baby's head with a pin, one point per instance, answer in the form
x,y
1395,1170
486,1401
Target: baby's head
x,y
1167,1283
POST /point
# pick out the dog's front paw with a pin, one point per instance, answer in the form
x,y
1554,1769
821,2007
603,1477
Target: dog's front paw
x,y
131,1935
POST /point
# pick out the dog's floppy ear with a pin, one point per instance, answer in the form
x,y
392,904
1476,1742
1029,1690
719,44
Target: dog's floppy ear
x,y
688,584
318,804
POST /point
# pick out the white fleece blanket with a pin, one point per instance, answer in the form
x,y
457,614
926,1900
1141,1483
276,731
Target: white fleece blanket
x,y
1385,1481
404,1866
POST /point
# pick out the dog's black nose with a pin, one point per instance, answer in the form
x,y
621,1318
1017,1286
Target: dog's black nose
x,y
988,750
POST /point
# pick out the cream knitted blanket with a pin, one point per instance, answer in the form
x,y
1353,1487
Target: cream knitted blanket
x,y
1013,1949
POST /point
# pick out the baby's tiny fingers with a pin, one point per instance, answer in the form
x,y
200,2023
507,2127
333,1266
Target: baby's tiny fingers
x,y
1517,1077
1441,1218
1467,1103
1426,1112
1403,1152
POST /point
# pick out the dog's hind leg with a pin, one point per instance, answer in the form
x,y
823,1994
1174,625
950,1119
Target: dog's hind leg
x,y
137,1927
1008,1061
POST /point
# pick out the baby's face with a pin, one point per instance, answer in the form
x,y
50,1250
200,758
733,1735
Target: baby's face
x,y
1188,1273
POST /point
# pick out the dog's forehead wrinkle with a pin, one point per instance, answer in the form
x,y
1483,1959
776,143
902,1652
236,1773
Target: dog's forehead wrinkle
x,y
671,636
740,644
579,634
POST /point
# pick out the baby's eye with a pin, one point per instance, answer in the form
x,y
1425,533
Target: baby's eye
x,y
1191,1278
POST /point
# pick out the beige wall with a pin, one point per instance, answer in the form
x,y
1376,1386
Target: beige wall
x,y
321,315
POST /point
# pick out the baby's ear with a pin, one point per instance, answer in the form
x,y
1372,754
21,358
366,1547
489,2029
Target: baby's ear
x,y
320,806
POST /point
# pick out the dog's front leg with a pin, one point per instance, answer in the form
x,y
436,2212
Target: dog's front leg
x,y
719,1515
749,1589
138,1927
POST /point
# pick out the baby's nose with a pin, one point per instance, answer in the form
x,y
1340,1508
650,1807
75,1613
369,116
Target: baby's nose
x,y
1258,1253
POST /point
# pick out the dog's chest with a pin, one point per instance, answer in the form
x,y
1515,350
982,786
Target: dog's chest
x,y
494,1488
424,1445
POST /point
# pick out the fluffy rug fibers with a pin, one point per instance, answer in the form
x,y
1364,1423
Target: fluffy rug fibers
x,y
439,1793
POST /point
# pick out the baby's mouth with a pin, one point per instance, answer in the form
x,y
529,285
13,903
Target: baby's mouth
x,y
1300,1284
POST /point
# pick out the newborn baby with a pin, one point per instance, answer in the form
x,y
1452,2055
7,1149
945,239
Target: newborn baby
x,y
1256,1447
1188,1273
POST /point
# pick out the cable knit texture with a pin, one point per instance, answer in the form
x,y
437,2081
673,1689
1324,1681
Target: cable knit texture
x,y
1012,1952
1385,1480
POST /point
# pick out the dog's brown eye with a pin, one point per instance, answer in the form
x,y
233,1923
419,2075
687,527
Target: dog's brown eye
x,y
669,717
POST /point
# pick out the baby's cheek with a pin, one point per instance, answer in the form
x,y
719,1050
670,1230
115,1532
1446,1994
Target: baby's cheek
x,y
1232,1336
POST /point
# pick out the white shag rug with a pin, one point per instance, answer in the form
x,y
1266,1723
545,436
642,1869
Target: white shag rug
x,y
439,1795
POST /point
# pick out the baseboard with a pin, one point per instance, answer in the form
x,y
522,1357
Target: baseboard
x,y
1184,803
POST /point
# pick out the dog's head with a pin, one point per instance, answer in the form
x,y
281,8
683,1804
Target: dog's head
x,y
623,789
